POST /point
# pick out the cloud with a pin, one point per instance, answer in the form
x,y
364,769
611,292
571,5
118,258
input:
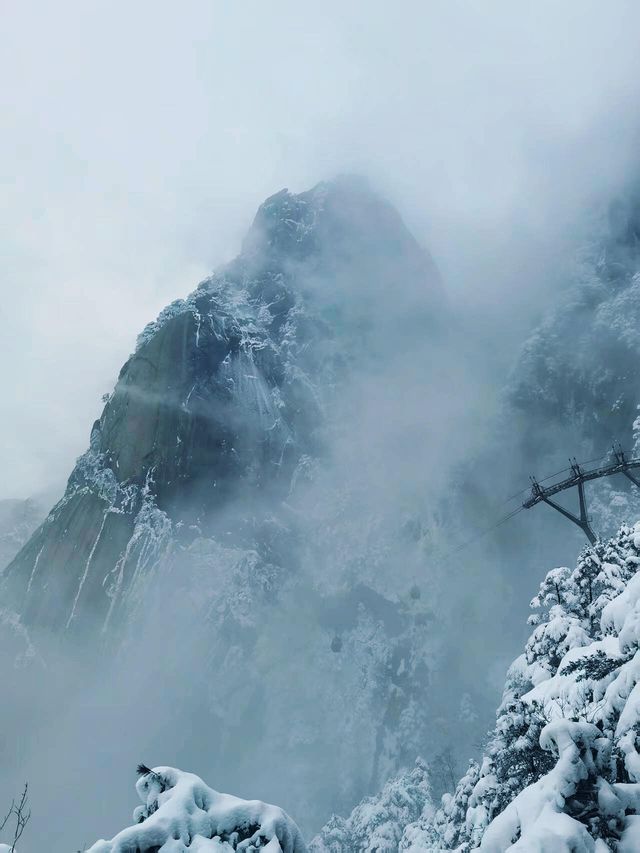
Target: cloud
x,y
137,142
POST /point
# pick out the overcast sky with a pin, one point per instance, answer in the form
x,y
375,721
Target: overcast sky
x,y
137,139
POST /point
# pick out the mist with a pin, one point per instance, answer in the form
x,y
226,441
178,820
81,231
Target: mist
x,y
136,146
137,143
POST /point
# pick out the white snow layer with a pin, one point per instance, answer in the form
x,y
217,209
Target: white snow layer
x,y
180,813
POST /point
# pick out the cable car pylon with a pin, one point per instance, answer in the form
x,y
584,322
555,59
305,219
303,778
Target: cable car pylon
x,y
578,477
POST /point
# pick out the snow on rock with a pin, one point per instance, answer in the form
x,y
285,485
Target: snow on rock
x,y
180,813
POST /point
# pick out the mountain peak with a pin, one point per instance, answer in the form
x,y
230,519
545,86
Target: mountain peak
x,y
335,220
224,394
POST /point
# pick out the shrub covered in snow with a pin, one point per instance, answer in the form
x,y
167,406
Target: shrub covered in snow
x,y
180,813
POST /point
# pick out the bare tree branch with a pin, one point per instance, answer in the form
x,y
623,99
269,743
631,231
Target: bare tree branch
x,y
9,813
21,813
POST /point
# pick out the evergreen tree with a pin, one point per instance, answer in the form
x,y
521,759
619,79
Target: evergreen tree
x,y
377,824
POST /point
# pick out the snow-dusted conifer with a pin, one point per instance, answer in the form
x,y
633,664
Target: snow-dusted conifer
x,y
377,824
561,767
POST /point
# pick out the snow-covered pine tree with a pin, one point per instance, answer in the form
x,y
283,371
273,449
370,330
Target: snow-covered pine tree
x,y
561,766
377,824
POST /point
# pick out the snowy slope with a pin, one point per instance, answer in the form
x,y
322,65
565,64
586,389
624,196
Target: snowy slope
x,y
574,389
578,370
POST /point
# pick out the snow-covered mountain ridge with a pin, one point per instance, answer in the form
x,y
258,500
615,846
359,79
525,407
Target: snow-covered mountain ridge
x,y
224,397
575,380
228,503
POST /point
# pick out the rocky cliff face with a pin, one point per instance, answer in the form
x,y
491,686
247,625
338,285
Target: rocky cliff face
x,y
574,389
223,397
245,516
578,371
